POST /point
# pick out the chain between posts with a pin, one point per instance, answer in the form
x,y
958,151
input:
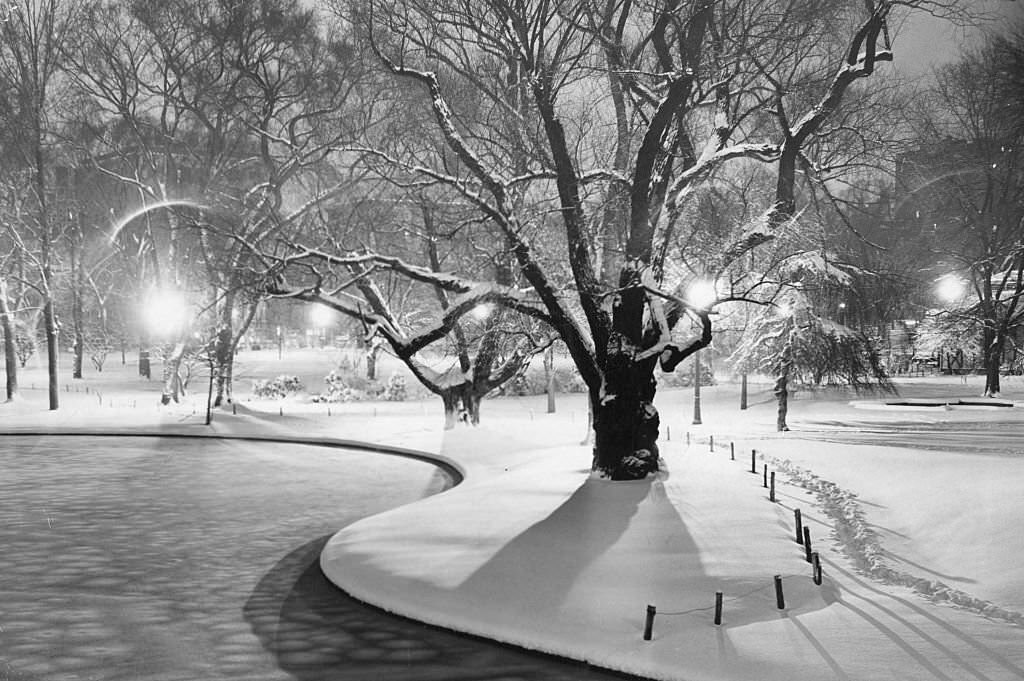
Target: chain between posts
x,y
731,599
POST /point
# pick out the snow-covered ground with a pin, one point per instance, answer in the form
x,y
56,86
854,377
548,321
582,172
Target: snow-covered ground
x,y
911,509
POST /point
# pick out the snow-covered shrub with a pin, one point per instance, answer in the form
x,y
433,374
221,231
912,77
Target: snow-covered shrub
x,y
277,388
395,390
25,343
339,388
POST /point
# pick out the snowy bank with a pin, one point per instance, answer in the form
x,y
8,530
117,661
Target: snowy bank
x,y
530,550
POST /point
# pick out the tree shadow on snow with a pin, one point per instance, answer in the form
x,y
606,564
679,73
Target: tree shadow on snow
x,y
597,530
318,633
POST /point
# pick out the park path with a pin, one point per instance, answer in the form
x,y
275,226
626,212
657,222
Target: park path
x,y
166,559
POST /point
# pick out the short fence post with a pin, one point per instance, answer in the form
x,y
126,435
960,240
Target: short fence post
x,y
807,542
668,433
687,438
816,568
234,409
732,451
711,442
771,491
780,600
718,607
649,623
766,476
799,526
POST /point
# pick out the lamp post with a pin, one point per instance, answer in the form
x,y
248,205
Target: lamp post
x,y
950,289
279,342
702,294
696,389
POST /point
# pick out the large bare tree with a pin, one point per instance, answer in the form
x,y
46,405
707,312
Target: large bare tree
x,y
619,110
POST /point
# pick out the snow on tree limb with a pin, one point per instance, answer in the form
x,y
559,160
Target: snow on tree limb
x,y
444,280
461,186
470,295
443,115
710,160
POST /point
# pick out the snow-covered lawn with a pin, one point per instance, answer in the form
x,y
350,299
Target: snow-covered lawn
x,y
530,550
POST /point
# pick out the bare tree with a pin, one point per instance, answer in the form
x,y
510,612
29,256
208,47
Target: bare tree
x,y
967,193
629,108
223,113
33,41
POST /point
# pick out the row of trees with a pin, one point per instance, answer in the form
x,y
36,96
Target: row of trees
x,y
480,177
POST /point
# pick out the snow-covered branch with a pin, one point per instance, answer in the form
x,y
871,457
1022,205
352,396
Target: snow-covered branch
x,y
444,117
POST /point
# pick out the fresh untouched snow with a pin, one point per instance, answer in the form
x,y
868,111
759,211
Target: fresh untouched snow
x,y
531,549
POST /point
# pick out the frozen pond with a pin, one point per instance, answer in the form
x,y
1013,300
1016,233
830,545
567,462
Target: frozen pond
x,y
185,559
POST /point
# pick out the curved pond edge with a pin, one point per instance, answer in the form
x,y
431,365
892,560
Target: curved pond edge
x,y
446,465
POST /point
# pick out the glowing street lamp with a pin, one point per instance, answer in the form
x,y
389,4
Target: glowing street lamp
x,y
702,294
950,288
481,312
165,312
322,317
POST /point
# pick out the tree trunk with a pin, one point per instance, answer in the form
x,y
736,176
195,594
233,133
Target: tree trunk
x,y
10,346
223,359
77,312
451,414
209,393
79,338
461,405
782,395
172,389
625,419
372,350
992,349
52,350
743,391
782,383
471,403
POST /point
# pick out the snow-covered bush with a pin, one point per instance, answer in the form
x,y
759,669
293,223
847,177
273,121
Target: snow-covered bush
x,y
339,388
25,343
395,390
277,388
